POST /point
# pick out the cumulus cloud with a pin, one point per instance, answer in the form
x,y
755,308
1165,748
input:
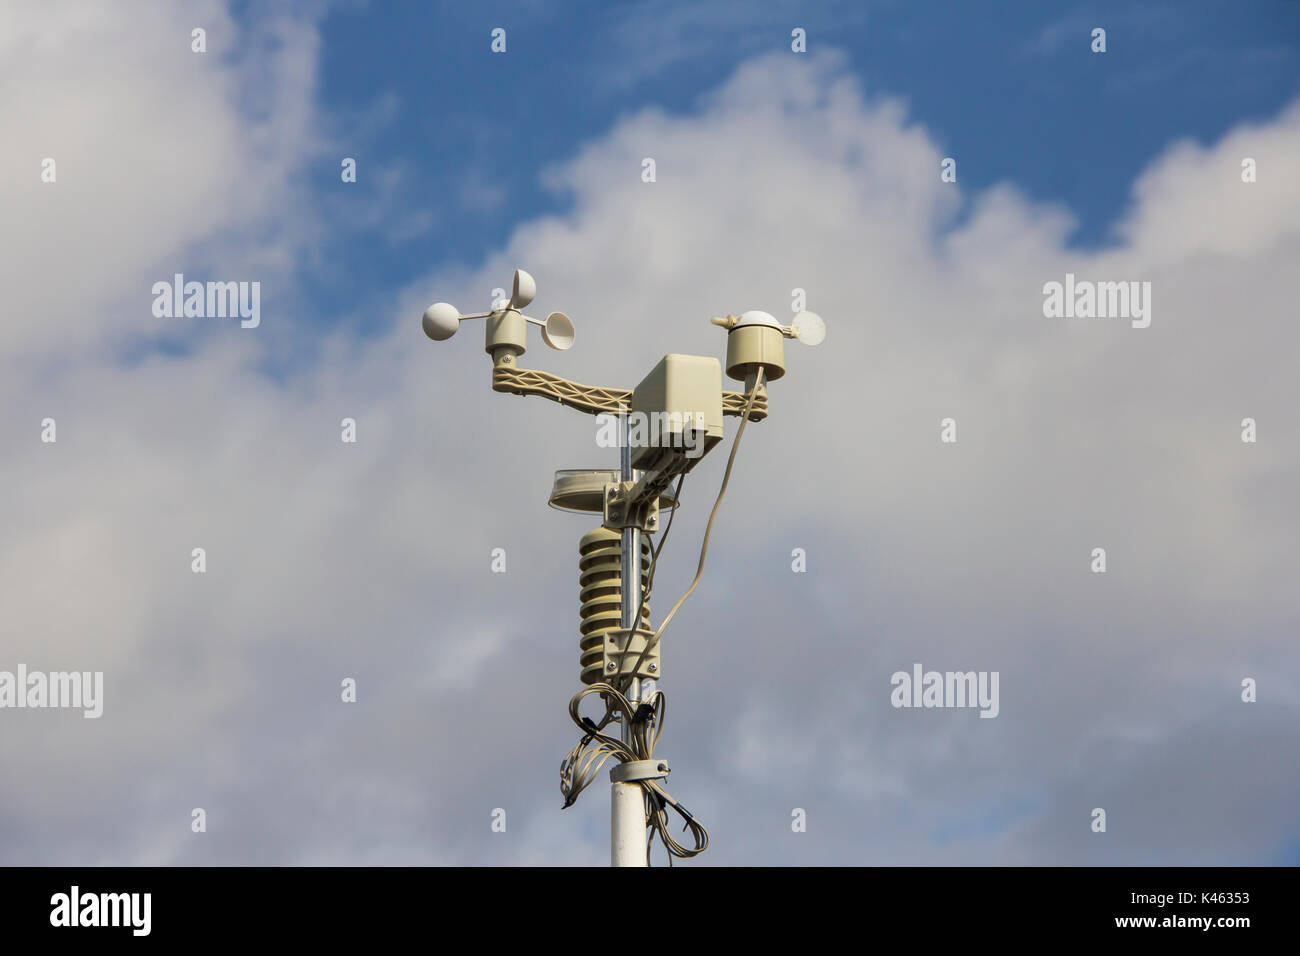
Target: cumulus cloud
x,y
165,159
328,560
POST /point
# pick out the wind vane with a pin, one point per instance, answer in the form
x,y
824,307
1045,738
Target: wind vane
x,y
619,653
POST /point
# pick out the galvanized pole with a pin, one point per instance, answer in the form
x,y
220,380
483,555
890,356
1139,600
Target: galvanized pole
x,y
628,845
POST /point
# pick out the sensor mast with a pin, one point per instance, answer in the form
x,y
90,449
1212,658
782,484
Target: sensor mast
x,y
619,654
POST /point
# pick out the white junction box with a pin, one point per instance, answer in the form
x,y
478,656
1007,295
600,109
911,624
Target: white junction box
x,y
676,412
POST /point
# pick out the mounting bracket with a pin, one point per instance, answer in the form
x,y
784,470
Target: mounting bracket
x,y
624,511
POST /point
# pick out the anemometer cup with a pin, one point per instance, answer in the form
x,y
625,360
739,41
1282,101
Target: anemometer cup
x,y
440,321
557,332
523,291
506,325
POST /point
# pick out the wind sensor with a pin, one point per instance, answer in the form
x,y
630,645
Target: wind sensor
x,y
442,319
619,655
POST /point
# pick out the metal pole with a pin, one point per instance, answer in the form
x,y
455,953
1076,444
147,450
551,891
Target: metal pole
x,y
627,845
631,583
627,842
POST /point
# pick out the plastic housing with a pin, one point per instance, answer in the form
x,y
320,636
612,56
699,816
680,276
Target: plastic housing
x,y
677,393
749,346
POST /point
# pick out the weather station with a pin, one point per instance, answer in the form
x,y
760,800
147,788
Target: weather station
x,y
619,652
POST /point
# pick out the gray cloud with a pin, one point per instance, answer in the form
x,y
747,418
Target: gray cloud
x,y
372,560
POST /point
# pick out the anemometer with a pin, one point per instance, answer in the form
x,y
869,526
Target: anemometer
x,y
618,650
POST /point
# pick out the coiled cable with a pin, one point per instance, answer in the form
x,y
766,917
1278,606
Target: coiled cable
x,y
585,760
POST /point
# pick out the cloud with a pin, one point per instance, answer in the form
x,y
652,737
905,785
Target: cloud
x,y
373,561
647,42
165,158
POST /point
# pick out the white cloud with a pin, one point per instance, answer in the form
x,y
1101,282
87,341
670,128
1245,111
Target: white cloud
x,y
329,560
159,152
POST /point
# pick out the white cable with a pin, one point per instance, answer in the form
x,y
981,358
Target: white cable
x,y
585,760
708,529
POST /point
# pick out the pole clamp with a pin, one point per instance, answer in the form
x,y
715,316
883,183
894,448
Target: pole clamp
x,y
635,770
621,511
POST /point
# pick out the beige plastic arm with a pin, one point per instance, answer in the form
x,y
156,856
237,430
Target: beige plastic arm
x,y
595,400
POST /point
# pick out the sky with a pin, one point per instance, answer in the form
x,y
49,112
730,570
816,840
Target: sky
x,y
1172,158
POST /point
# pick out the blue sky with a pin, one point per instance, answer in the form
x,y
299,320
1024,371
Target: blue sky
x,y
1011,90
374,559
